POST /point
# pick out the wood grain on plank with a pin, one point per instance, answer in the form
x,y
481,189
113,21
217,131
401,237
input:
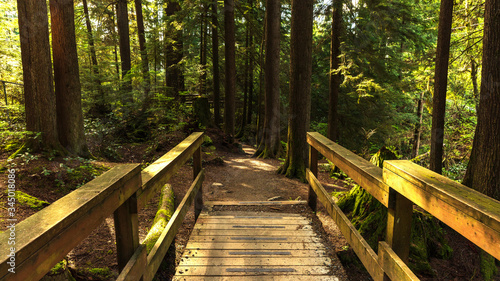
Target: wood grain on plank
x,y
251,270
393,266
254,261
360,170
254,253
44,238
253,246
472,214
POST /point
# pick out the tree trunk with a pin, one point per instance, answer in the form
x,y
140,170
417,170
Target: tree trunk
x,y
215,63
144,55
335,77
100,107
270,144
245,83
203,51
260,119
124,39
440,83
300,89
40,100
67,78
229,100
418,126
173,52
484,164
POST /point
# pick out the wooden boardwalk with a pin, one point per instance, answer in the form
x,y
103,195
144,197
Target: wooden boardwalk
x,y
253,246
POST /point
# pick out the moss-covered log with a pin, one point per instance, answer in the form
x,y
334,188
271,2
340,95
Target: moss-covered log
x,y
165,211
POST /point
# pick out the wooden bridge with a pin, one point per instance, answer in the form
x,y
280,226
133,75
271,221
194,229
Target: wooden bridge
x,y
248,246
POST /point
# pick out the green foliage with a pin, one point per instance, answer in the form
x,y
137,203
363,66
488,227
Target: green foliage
x,y
30,201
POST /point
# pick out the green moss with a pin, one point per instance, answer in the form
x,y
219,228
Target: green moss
x,y
59,268
104,273
161,219
488,267
30,201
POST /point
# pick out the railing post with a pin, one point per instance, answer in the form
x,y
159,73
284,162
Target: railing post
x,y
399,217
127,231
313,166
198,201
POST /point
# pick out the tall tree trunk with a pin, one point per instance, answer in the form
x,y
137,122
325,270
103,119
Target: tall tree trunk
x,y
250,76
40,100
260,110
123,32
67,78
484,164
229,100
174,52
300,89
215,63
335,78
418,126
270,144
245,82
203,51
144,54
100,107
440,83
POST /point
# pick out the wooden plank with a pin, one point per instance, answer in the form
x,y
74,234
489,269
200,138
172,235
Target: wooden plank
x,y
470,213
44,238
312,198
253,261
259,238
253,246
161,246
245,253
253,232
135,267
157,174
246,214
364,252
253,203
198,201
393,266
284,227
258,278
242,221
251,270
398,233
126,231
360,170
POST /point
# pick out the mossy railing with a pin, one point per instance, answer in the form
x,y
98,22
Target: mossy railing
x,y
398,186
46,237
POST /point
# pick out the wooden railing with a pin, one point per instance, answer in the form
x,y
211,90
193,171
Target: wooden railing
x,y
398,186
46,237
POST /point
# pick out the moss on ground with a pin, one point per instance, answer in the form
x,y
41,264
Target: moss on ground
x,y
30,201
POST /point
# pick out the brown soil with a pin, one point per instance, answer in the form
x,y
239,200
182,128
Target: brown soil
x,y
239,177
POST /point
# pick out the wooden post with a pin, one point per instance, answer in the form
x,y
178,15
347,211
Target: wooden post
x,y
198,201
399,217
313,166
127,231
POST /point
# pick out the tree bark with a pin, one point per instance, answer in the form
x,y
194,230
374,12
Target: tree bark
x,y
100,107
215,63
67,78
245,83
300,89
484,164
40,99
270,144
418,126
203,50
335,76
229,100
440,83
174,52
144,55
124,39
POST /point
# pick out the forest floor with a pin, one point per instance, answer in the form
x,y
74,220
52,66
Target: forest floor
x,y
231,175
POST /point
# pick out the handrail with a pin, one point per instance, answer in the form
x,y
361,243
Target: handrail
x,y
398,186
46,237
